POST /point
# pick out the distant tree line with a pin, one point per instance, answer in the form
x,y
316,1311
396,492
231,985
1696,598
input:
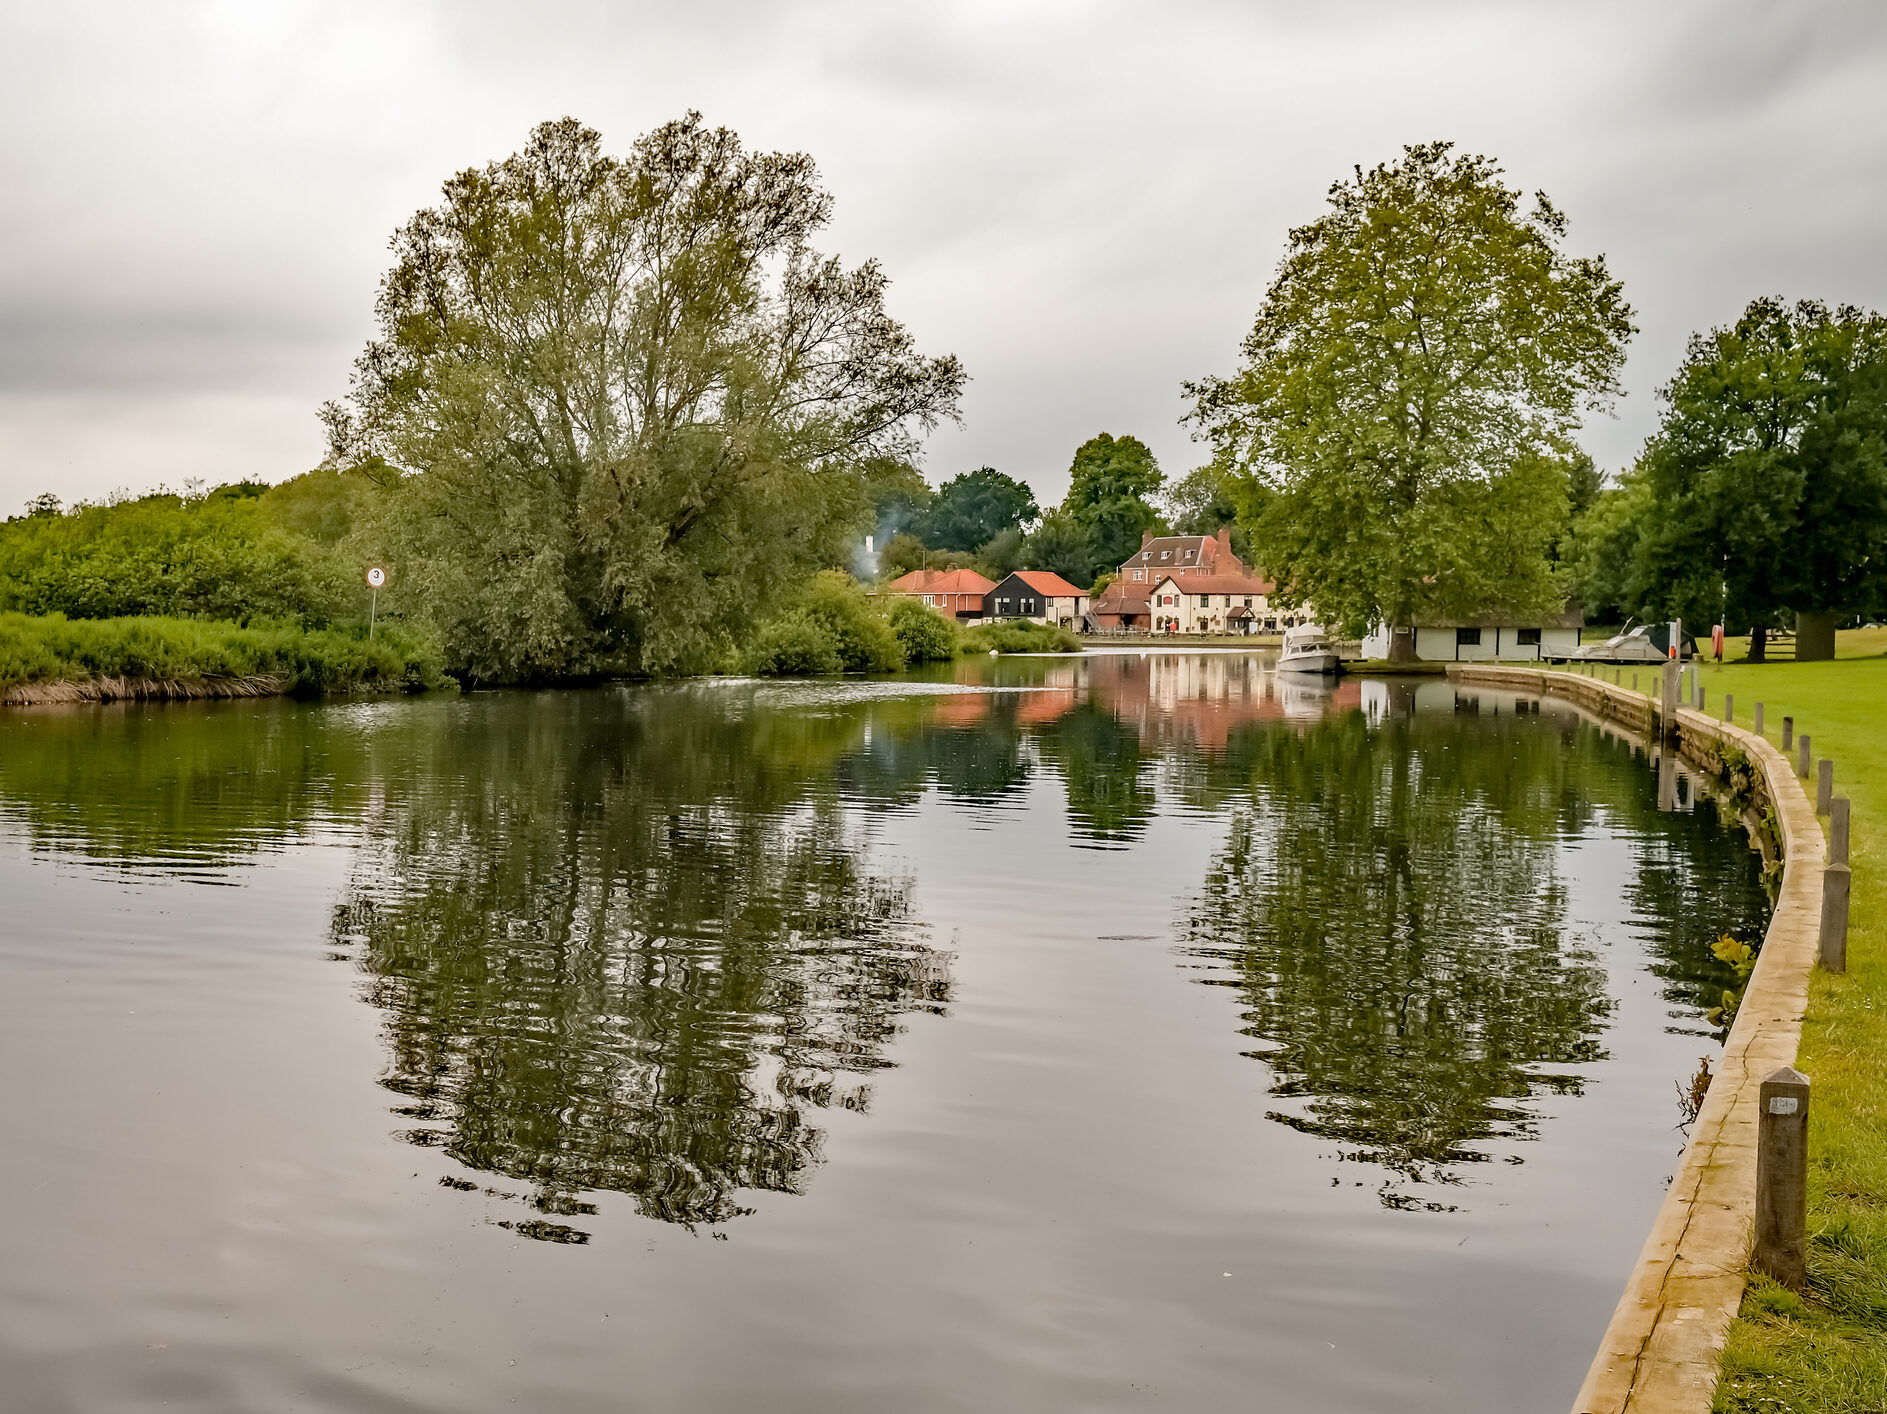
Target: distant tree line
x,y
1761,501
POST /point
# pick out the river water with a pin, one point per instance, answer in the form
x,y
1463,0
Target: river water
x,y
1136,1032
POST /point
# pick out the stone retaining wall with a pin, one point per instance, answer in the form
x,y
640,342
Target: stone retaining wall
x,y
1660,1353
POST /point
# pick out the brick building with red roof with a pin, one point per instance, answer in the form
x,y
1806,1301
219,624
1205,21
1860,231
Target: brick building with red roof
x,y
1189,584
956,594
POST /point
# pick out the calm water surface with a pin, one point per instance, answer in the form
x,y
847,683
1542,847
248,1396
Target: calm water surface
x,y
1139,1032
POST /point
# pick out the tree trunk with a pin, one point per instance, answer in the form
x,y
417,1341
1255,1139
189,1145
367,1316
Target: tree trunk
x,y
1401,643
1758,644
1814,637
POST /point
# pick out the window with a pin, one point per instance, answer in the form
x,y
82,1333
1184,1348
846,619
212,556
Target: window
x,y
1139,575
1467,638
1205,601
1166,554
1248,601
1529,638
1189,554
1147,555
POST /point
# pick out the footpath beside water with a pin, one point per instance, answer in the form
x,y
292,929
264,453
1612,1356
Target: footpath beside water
x,y
1661,1352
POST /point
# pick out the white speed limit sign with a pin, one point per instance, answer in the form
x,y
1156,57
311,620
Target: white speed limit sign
x,y
376,576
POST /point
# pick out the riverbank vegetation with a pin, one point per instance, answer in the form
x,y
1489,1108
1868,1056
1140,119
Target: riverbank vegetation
x,y
233,553
833,626
158,657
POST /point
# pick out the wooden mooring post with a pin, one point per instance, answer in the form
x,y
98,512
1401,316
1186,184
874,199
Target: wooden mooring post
x,y
1788,732
1802,758
1667,708
1729,707
1837,881
1782,1178
1824,785
1759,719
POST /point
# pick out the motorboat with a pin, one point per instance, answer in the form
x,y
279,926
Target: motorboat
x,y
1307,649
1647,643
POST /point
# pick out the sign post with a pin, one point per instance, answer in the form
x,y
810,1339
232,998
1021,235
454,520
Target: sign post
x,y
375,578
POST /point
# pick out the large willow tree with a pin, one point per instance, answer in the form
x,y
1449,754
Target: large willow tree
x,y
1402,419
619,402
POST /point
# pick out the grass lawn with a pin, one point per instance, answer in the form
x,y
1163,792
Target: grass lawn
x,y
1827,1351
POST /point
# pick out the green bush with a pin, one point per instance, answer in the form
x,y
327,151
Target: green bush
x,y
927,636
218,556
794,645
831,628
1020,636
863,638
53,648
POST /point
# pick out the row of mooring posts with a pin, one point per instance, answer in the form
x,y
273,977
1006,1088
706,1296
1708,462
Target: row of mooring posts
x,y
1782,1102
1781,1229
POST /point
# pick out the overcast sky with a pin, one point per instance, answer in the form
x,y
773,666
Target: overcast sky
x,y
1083,201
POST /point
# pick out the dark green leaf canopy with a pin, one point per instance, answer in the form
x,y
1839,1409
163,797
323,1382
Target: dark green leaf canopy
x,y
1764,490
625,401
972,509
1409,391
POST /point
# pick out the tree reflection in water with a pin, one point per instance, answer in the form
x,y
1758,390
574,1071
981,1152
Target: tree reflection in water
x,y
1387,908
634,949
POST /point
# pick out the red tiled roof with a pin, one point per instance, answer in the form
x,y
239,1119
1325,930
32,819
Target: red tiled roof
x,y
1214,583
1208,553
1051,586
1118,599
940,582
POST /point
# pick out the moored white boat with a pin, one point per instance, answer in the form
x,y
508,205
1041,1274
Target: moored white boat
x,y
1307,650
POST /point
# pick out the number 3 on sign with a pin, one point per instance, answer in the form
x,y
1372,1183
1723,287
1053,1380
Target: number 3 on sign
x,y
376,576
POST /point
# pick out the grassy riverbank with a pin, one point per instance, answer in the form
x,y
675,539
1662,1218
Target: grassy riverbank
x,y
1826,1352
205,655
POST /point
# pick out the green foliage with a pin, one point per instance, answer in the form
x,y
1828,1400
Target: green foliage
x,y
902,553
216,556
52,648
832,628
972,509
925,635
1112,482
899,495
1764,490
1741,959
796,644
1604,548
1395,432
1062,545
860,633
624,401
324,505
1203,502
1019,636
1001,555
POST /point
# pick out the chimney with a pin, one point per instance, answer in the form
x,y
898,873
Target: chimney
x,y
1146,538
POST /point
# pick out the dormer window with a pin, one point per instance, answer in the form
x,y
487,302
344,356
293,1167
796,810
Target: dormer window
x,y
1166,554
1189,554
1147,555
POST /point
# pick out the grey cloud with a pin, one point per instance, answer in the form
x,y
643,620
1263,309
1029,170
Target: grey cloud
x,y
1084,201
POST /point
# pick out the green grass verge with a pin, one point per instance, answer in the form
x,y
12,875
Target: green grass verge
x,y
1826,1352
52,648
